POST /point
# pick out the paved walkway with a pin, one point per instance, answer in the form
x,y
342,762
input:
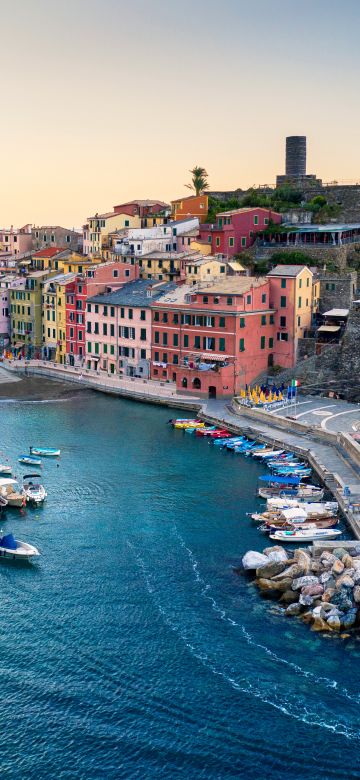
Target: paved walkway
x,y
327,413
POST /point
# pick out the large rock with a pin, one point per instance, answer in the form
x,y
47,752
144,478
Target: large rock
x,y
293,609
271,568
338,567
328,594
320,624
327,559
295,570
347,561
252,560
356,563
289,597
316,566
341,599
276,553
348,620
356,576
339,552
356,594
345,581
271,585
325,577
306,600
307,617
312,590
303,559
301,582
333,612
333,622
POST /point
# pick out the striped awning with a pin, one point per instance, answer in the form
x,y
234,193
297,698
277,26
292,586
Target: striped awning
x,y
214,358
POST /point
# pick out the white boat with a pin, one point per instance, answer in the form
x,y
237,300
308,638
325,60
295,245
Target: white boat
x,y
5,469
305,535
28,460
45,452
34,491
16,550
278,504
265,454
11,490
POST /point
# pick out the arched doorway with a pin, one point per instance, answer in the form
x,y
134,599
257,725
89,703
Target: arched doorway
x,y
196,383
270,361
184,382
212,391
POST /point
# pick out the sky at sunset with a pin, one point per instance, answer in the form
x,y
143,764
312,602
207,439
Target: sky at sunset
x,y
108,100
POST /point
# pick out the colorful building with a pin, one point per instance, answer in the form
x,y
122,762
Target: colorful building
x,y
7,283
26,314
204,269
15,241
165,266
150,212
236,230
291,297
54,317
213,340
98,227
56,236
118,328
194,205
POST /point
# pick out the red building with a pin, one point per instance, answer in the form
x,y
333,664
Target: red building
x,y
96,279
214,340
235,231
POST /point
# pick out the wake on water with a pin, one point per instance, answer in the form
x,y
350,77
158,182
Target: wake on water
x,y
288,705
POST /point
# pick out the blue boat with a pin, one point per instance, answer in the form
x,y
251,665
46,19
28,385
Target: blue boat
x,y
29,460
44,452
281,480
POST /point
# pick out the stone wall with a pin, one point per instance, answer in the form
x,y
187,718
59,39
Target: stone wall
x,y
337,291
336,255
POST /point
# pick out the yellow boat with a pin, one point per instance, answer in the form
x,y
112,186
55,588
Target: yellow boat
x,y
189,424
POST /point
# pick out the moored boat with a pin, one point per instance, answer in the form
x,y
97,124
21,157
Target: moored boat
x,y
29,460
34,490
14,494
305,535
5,469
16,550
45,452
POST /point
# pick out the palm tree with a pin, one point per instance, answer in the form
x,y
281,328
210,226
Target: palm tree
x,y
199,181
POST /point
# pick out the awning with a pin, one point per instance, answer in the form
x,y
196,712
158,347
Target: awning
x,y
337,313
328,328
213,358
19,344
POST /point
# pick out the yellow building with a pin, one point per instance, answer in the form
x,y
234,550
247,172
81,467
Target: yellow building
x,y
205,269
165,266
54,317
98,227
26,314
50,259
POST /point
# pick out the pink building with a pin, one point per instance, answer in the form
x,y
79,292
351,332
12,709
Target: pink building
x,y
15,241
235,231
118,328
7,283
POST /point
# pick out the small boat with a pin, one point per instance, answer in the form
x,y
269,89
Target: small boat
x,y
5,469
28,460
183,424
16,550
330,522
265,454
44,452
3,504
34,491
10,489
305,535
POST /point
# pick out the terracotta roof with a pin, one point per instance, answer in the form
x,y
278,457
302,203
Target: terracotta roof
x,y
50,251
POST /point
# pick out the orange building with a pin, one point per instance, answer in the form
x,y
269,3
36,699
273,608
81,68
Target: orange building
x,y
193,206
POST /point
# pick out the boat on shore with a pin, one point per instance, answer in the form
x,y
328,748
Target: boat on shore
x,y
305,535
5,469
16,550
29,460
14,494
45,452
34,490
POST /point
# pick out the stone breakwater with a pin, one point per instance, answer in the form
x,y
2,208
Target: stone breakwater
x,y
323,591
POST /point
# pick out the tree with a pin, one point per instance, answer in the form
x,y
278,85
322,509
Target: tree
x,y
199,181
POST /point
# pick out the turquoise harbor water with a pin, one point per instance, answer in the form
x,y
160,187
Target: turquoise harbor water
x,y
131,649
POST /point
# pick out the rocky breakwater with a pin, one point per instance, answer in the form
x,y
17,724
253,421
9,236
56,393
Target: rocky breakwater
x,y
324,591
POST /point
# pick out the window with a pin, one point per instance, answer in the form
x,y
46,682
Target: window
x,y
80,335
222,269
307,282
283,283
112,330
299,321
175,319
256,219
271,319
96,345
282,336
271,343
143,354
242,322
208,343
143,334
242,345
186,341
263,319
165,357
231,241
243,240
156,316
205,299
209,239
96,327
216,300
283,301
300,284
262,342
71,333
229,301
266,220
156,357
221,345
143,314
175,340
248,299
282,322
197,343
176,360
96,308
221,322
217,241
209,322
122,313
157,337
130,314
165,339
299,302
164,317
112,349
127,223
115,274
263,298
104,329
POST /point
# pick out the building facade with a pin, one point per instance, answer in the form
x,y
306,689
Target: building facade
x,y
56,236
194,205
235,231
291,294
